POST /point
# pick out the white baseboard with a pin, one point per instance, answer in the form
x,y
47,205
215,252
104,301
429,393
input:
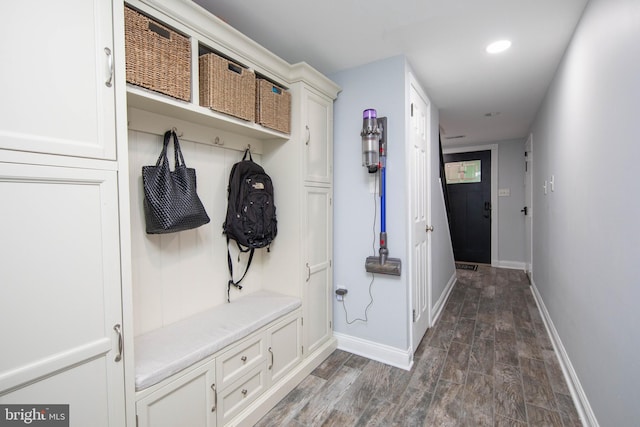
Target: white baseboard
x,y
439,305
513,265
375,351
577,392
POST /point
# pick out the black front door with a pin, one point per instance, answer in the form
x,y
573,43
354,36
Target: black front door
x,y
470,203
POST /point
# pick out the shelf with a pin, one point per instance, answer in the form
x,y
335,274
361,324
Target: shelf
x,y
157,103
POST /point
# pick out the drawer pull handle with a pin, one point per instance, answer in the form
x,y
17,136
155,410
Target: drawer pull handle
x,y
109,81
271,365
120,342
243,358
215,398
244,392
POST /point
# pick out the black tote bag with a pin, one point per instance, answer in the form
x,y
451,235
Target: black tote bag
x,y
170,200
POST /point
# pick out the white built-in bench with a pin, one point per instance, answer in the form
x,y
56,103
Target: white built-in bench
x,y
163,352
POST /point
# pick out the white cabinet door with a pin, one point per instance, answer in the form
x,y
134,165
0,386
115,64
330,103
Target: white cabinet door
x,y
61,291
318,150
188,401
318,250
57,58
285,347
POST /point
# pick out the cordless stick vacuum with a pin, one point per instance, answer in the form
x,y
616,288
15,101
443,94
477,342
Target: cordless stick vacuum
x,y
374,158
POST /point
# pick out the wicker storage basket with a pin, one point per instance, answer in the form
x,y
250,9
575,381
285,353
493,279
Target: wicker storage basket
x,y
157,57
273,106
227,87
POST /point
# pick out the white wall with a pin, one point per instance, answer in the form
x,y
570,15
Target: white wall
x,y
585,233
382,85
177,275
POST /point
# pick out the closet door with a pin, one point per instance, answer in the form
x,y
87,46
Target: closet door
x,y
57,79
317,289
60,312
318,150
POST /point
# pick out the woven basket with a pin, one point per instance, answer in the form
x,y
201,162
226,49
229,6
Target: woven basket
x,y
273,106
157,57
227,87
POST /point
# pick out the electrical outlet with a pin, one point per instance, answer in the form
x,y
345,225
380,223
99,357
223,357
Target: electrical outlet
x,y
340,293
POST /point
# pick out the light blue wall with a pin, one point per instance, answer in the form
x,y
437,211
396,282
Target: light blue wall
x,y
383,85
380,85
586,232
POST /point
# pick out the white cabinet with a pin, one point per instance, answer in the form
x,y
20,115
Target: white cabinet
x,y
61,268
188,400
57,85
61,279
318,151
216,390
284,347
317,116
317,250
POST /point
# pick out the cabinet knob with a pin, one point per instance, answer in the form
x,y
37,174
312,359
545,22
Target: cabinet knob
x,y
308,135
244,392
243,358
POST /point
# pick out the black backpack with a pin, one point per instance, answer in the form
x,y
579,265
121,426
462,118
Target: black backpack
x,y
251,213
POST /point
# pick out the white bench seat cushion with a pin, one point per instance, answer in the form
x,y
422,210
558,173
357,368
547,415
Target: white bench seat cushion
x,y
163,352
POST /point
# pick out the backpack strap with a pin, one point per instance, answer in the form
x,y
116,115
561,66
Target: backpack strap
x,y
230,264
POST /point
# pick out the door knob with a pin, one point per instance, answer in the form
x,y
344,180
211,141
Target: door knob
x,y
524,210
429,228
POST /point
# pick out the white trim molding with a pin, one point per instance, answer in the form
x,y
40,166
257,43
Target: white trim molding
x,y
513,265
587,416
388,355
439,305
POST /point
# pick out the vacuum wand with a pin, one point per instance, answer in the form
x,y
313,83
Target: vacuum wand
x,y
374,158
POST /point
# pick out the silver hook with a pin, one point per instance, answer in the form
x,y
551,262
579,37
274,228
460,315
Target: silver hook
x,y
175,130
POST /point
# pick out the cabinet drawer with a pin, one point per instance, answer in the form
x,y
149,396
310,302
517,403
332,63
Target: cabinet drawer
x,y
235,362
241,393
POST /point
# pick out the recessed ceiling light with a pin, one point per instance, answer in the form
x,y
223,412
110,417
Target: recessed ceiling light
x,y
499,46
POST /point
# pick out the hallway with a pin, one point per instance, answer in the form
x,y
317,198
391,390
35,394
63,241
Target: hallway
x,y
487,362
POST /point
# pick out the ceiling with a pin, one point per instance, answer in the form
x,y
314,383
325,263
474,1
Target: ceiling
x,y
444,42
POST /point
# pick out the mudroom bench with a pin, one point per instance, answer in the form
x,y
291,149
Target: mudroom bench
x,y
208,368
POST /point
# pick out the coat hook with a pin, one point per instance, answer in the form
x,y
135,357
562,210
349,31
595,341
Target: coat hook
x,y
175,129
249,147
218,141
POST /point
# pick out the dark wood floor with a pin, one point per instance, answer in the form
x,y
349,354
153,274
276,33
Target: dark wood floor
x,y
487,362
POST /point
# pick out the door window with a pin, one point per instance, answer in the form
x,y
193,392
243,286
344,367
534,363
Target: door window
x,y
463,172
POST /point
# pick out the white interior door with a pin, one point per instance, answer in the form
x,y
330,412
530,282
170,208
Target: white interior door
x,y
528,193
418,183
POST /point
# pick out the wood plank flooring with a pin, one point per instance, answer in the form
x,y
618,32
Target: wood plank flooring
x,y
487,362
